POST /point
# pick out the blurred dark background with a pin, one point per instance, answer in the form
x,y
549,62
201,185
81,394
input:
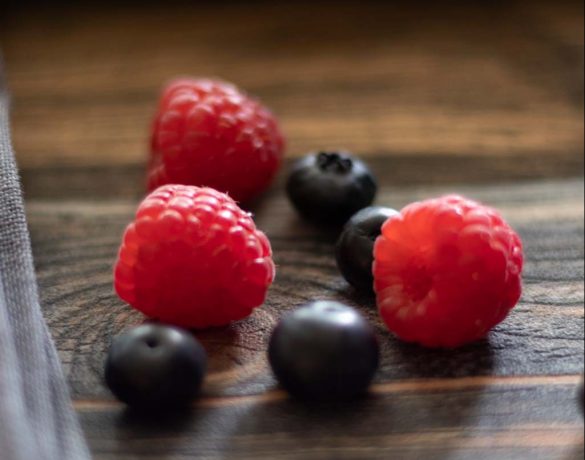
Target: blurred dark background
x,y
400,78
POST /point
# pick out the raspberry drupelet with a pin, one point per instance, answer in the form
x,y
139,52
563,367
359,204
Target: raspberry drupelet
x,y
208,133
193,258
446,271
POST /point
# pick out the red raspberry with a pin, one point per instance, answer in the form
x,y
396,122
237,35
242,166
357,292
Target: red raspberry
x,y
207,133
446,271
193,258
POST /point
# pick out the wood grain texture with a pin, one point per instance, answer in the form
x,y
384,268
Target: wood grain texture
x,y
75,243
483,98
404,78
485,423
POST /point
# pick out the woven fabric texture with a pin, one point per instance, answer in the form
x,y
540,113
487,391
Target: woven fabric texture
x,y
37,421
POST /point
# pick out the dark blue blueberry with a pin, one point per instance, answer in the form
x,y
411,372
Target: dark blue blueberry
x,y
156,367
324,351
329,188
355,248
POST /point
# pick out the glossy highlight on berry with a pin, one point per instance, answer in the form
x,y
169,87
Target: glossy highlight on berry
x,y
193,258
447,271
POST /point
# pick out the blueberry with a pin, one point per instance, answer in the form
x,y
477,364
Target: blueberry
x,y
155,367
328,188
355,247
324,351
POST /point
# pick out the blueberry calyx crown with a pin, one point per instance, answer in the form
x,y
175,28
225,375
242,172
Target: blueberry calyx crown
x,y
334,162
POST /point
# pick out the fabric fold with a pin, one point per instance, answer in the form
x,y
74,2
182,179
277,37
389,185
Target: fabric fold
x,y
37,421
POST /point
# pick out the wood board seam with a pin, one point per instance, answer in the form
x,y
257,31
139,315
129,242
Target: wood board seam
x,y
405,386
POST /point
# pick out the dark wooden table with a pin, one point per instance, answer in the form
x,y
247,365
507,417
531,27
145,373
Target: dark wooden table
x,y
484,98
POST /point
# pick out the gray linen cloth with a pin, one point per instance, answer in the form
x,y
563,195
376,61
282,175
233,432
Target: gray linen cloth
x,y
37,421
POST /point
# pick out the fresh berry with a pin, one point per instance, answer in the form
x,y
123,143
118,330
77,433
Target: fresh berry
x,y
193,258
355,247
208,133
329,188
324,350
155,367
447,271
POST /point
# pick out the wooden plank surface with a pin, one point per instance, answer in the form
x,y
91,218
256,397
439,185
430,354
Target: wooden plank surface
x,y
510,397
482,98
460,77
76,241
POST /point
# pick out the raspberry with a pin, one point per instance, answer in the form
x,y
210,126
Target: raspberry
x,y
193,258
446,271
207,133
